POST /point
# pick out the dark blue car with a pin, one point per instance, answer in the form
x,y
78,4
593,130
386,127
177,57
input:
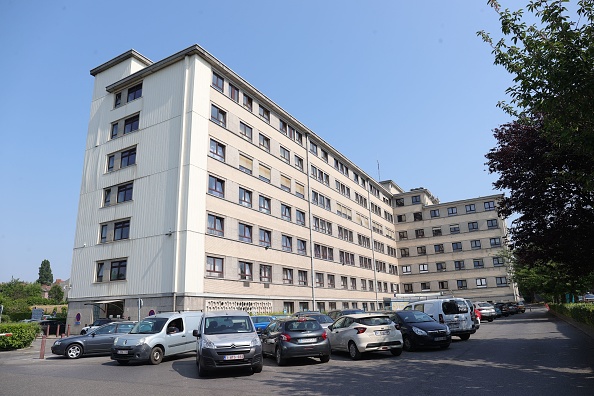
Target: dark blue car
x,y
260,322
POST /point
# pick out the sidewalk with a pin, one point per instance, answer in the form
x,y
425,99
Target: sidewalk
x,y
31,352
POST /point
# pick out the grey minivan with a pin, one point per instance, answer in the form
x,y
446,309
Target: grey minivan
x,y
227,339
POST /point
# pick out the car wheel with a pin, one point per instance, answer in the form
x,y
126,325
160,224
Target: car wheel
x,y
464,337
74,351
257,368
279,357
408,344
202,371
396,351
325,358
156,355
123,362
353,351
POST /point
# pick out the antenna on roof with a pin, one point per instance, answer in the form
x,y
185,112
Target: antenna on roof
x,y
379,178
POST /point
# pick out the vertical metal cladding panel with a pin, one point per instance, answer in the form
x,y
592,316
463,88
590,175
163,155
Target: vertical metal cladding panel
x,y
163,95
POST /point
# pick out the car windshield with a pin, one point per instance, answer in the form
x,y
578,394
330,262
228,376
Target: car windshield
x,y
149,326
228,324
374,321
321,318
414,317
261,319
302,325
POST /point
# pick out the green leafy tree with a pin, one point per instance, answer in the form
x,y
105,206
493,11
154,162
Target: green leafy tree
x,y
56,293
45,273
16,289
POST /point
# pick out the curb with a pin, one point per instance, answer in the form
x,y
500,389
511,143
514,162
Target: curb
x,y
584,328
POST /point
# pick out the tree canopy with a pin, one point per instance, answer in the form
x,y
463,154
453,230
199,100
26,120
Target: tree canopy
x,y
45,273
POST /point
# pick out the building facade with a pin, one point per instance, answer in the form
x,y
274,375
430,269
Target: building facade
x,y
199,192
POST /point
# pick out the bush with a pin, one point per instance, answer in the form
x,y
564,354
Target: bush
x,y
580,312
23,335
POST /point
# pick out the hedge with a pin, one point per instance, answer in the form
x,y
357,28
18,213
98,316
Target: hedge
x,y
23,335
580,312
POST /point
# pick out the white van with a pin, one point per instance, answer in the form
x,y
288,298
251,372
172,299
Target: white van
x,y
453,312
157,336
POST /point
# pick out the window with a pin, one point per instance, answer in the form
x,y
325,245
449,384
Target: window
x,y
475,244
378,246
443,285
425,286
497,261
345,234
399,201
134,92
438,248
214,267
285,183
492,223
114,231
401,218
287,243
265,237
404,252
343,189
461,284
392,251
245,270
346,258
418,216
282,127
420,233
363,284
118,270
246,131
473,226
440,266
301,247
457,246
285,212
416,199
264,113
408,287
324,155
245,197
121,159
110,162
233,93
287,276
421,250
406,269
376,209
265,273
104,231
481,282
343,211
217,82
245,232
298,162
264,173
452,211
217,150
247,102
353,283
245,164
434,212
343,282
285,154
361,200
299,190
363,240
454,229
423,268
459,265
490,205
470,208
365,262
216,225
320,200
495,242
501,281
118,100
313,148
392,269
402,235
216,186
124,194
478,263
264,204
218,116
323,252
302,275
320,176
100,267
319,279
131,124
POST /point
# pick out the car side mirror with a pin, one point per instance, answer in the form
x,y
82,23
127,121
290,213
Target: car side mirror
x,y
196,333
331,327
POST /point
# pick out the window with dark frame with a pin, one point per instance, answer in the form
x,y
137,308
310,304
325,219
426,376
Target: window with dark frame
x,y
264,142
245,130
121,230
216,186
217,82
245,270
125,192
118,270
233,93
99,276
461,284
264,113
473,226
214,266
247,102
265,237
134,92
217,150
218,116
216,225
245,197
265,273
287,243
131,124
264,204
245,233
287,276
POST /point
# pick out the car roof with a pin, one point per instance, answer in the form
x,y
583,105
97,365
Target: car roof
x,y
364,315
210,314
301,318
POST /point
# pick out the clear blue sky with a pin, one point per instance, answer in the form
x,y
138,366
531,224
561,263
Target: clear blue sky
x,y
408,84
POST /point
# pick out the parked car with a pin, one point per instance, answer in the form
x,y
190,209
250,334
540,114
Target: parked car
x,y
337,313
293,337
503,308
55,326
323,320
97,323
453,312
497,312
487,310
420,330
365,332
260,322
521,306
475,319
95,342
512,308
227,339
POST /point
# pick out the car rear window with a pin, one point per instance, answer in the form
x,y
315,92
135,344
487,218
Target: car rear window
x,y
374,321
454,307
302,325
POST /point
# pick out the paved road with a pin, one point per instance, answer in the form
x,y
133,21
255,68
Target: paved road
x,y
529,354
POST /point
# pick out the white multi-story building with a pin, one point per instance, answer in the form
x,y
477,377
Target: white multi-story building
x,y
199,192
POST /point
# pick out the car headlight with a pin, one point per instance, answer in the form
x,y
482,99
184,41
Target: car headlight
x,y
419,331
207,344
58,342
115,341
141,341
255,342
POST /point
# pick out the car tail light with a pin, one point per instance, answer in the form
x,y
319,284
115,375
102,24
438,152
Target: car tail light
x,y
324,335
441,319
285,337
360,330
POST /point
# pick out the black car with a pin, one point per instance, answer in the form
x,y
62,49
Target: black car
x,y
95,342
53,326
503,308
420,330
337,313
295,337
323,319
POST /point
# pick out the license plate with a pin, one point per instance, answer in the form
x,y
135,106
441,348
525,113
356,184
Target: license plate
x,y
382,332
306,340
440,338
232,357
454,325
122,352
